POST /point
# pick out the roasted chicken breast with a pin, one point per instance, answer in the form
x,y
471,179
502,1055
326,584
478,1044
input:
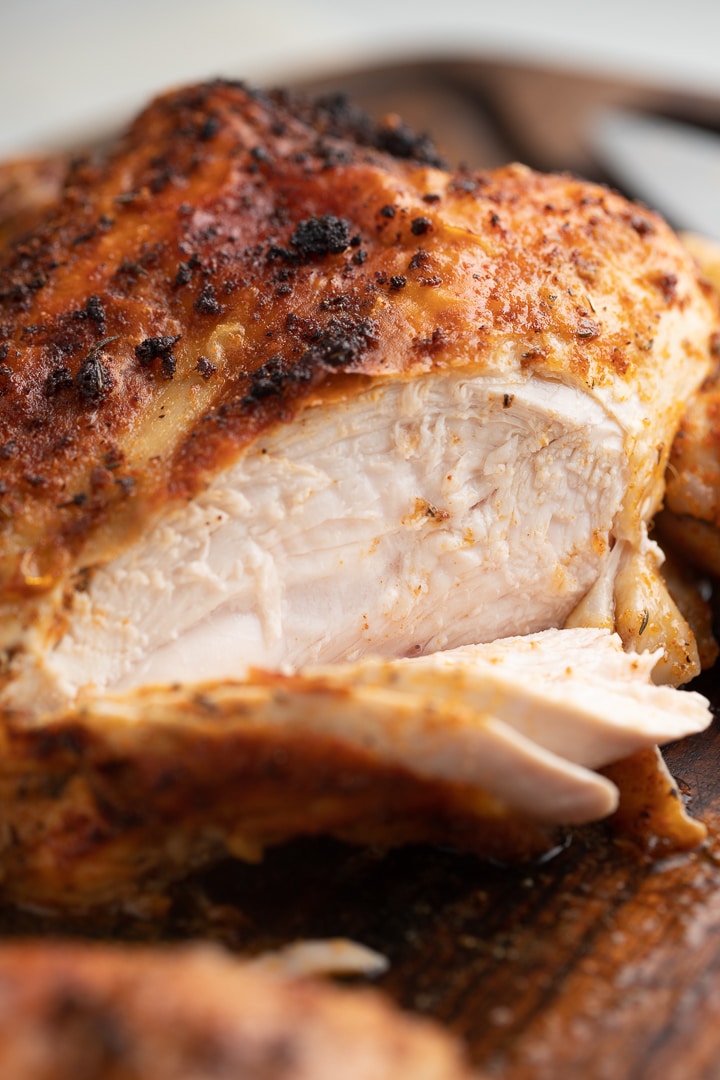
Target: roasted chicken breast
x,y
279,392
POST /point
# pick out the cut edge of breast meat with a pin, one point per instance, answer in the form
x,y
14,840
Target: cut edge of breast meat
x,y
411,518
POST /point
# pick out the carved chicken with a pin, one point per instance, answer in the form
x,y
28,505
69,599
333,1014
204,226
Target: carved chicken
x,y
280,394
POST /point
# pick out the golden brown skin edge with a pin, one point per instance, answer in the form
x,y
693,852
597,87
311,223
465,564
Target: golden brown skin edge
x,y
104,1013
690,521
102,812
282,240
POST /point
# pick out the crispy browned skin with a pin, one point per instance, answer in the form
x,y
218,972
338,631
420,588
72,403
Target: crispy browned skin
x,y
691,519
106,808
103,1013
286,232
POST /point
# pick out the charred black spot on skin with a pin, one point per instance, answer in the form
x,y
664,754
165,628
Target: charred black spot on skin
x,y
419,259
339,346
186,269
335,117
59,379
342,343
207,302
400,141
206,367
159,348
94,311
320,236
94,379
274,379
209,128
420,225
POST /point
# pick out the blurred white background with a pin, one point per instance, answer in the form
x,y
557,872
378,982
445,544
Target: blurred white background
x,y
71,66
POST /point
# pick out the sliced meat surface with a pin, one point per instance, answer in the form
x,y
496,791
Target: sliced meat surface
x,y
336,535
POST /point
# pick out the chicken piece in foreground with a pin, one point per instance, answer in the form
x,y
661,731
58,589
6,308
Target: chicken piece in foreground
x,y
490,749
278,391
98,1012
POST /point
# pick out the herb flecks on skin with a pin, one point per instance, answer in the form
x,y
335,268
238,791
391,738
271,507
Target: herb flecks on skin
x,y
94,379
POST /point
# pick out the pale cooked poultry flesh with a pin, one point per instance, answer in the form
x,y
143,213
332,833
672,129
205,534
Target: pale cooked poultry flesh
x,y
278,391
70,1011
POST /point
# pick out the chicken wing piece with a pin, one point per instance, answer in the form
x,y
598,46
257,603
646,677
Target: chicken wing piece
x,y
97,1011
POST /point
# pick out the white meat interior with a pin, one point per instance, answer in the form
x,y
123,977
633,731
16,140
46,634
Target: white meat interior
x,y
413,517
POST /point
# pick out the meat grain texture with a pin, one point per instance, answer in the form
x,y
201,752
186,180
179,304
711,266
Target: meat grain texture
x,y
280,392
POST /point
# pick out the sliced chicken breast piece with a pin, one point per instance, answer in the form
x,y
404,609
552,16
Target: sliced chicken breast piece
x,y
296,555
488,748
576,693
